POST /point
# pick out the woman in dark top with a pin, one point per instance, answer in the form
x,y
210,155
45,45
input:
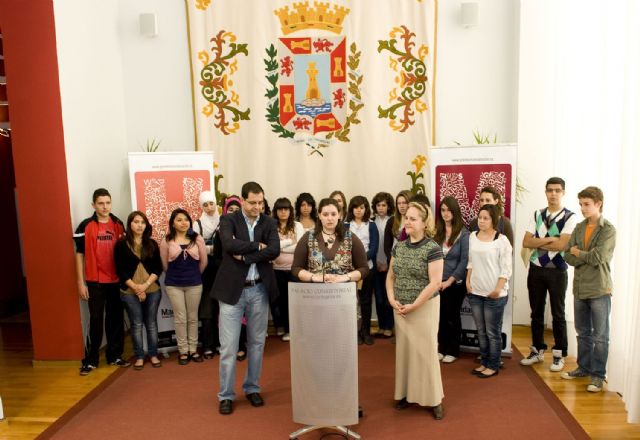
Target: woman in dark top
x,y
138,265
394,231
491,196
453,238
184,258
329,253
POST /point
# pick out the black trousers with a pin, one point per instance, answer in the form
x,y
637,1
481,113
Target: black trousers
x,y
450,327
365,295
281,306
105,311
539,281
209,310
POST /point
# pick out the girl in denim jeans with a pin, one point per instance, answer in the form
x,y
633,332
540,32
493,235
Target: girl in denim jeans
x,y
488,272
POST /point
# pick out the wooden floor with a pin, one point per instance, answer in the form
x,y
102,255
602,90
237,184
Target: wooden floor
x,y
33,397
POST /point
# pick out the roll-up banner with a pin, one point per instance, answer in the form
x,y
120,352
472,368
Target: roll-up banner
x,y
160,183
462,172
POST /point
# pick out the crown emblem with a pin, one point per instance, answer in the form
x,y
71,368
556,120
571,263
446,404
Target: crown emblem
x,y
321,16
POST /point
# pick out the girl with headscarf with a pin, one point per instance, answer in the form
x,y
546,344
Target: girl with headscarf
x,y
207,227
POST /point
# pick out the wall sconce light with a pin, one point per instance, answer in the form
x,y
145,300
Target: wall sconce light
x,y
469,14
149,25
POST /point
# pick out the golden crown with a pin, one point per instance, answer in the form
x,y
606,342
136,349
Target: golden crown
x,y
321,16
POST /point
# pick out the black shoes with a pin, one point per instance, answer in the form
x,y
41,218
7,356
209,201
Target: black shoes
x,y
183,359
438,412
120,363
226,407
402,404
367,339
241,355
255,399
195,357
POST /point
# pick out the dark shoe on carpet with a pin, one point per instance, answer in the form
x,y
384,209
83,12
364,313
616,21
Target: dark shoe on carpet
x,y
242,355
195,357
476,372
183,359
157,364
360,339
208,354
120,363
138,365
226,407
483,375
86,369
438,412
255,399
367,339
402,404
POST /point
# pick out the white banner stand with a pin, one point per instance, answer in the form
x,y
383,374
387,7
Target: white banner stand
x,y
324,356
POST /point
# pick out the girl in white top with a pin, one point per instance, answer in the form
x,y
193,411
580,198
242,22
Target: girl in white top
x,y
306,211
290,233
358,215
489,270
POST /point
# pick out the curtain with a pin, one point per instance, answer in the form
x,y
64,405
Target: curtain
x,y
591,62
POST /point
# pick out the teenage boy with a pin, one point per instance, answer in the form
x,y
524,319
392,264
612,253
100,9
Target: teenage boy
x,y
590,250
547,235
95,239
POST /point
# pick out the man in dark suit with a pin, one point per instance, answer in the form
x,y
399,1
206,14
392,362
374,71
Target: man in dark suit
x,y
245,285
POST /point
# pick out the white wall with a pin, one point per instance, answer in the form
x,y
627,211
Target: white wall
x,y
118,89
477,73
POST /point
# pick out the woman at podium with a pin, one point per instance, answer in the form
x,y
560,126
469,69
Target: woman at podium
x,y
413,285
329,253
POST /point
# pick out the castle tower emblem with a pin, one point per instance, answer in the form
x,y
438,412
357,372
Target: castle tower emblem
x,y
311,83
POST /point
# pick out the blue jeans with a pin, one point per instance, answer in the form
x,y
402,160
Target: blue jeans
x,y
592,327
254,305
143,313
383,308
487,314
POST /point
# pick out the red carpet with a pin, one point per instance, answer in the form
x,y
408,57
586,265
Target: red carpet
x,y
180,402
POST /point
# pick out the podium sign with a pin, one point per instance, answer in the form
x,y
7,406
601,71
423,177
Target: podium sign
x,y
324,356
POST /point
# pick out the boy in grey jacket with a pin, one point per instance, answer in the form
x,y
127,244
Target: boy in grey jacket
x,y
590,250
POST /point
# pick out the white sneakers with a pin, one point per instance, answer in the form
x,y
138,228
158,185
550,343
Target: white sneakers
x,y
448,359
440,356
538,356
558,361
596,384
534,357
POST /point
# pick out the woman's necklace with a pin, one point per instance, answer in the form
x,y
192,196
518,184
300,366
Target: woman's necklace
x,y
328,241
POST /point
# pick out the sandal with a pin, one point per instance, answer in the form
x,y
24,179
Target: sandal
x,y
208,354
241,355
195,357
183,359
157,364
137,366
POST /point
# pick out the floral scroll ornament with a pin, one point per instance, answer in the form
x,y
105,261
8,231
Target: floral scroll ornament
x,y
411,78
216,183
202,4
216,82
355,103
418,162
